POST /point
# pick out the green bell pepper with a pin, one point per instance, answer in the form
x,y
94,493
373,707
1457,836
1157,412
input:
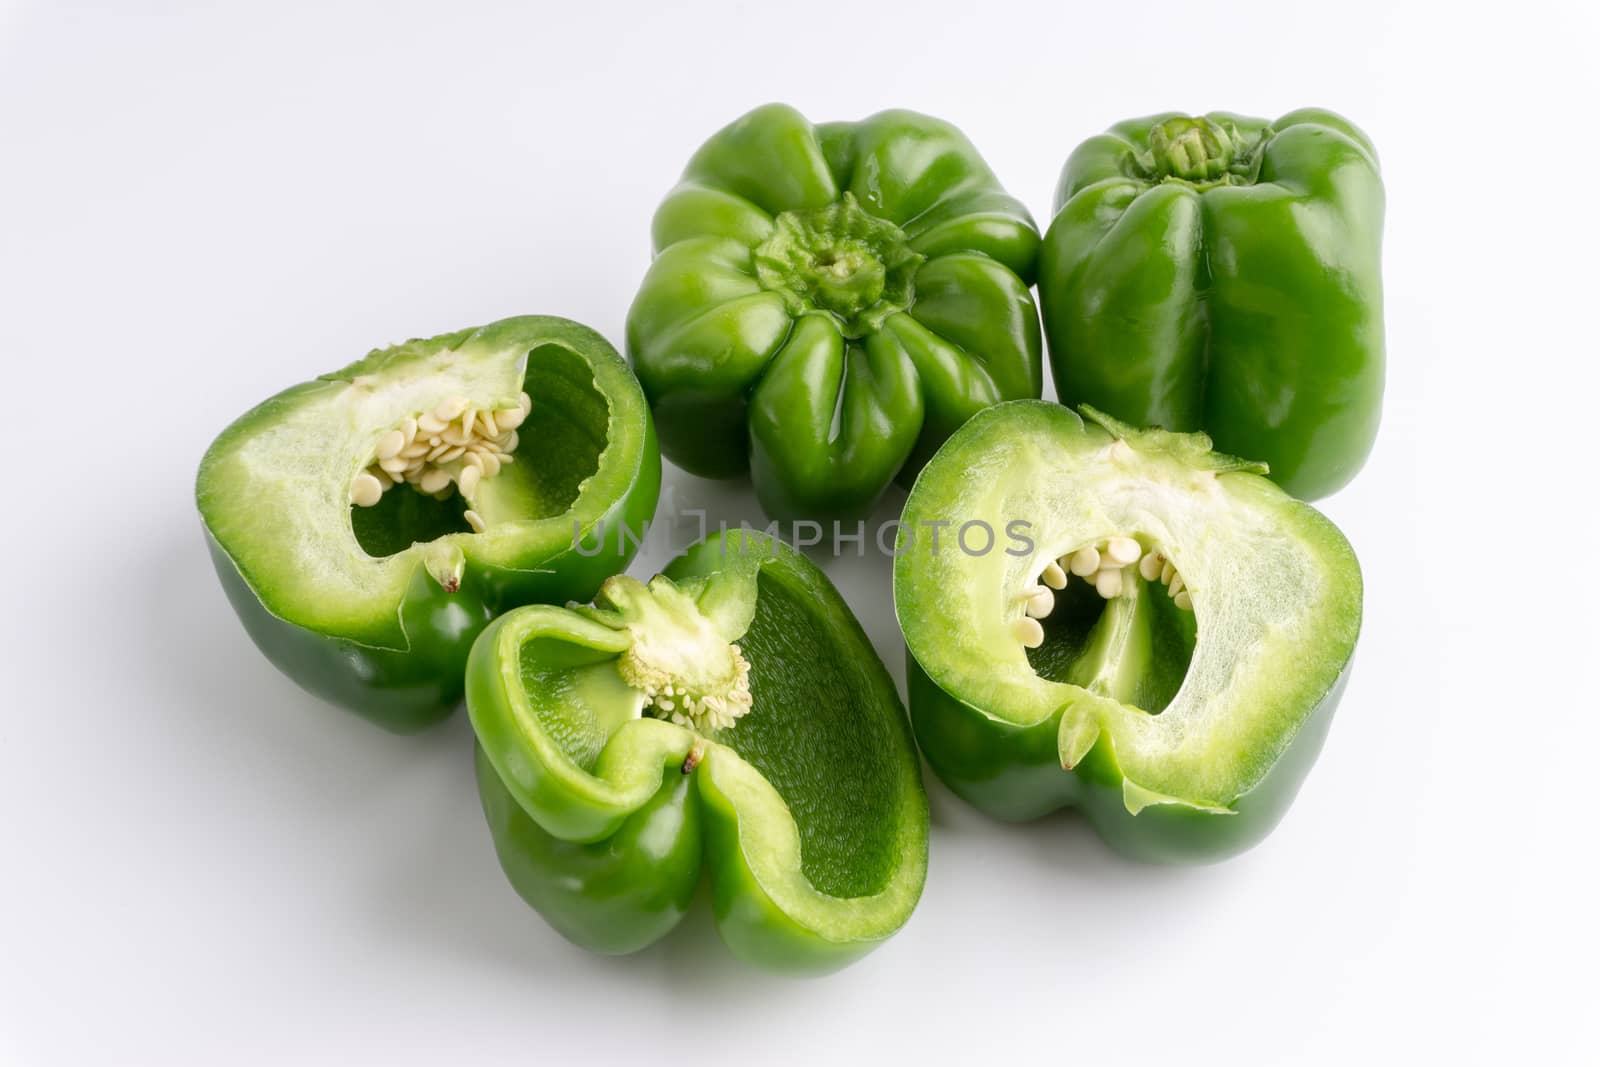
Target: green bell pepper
x,y
367,525
827,303
730,715
1160,641
1222,273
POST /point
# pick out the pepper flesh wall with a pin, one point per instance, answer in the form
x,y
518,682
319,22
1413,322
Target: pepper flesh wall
x,y
1168,656
367,525
731,717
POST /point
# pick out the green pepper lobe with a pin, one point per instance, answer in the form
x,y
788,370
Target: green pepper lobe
x,y
827,303
368,524
728,716
1223,273
1164,651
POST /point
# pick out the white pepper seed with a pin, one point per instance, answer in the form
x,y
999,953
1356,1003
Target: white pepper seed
x,y
1053,575
390,444
1167,571
1123,550
1028,631
1108,583
428,423
1041,604
434,481
450,410
1184,601
1150,566
1085,562
474,520
467,480
365,490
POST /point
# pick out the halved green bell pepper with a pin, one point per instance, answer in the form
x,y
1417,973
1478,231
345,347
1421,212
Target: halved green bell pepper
x,y
729,717
368,585
1159,637
827,303
1223,274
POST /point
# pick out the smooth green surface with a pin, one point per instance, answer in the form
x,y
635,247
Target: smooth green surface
x,y
616,895
1014,773
1223,274
827,303
1182,737
808,812
342,599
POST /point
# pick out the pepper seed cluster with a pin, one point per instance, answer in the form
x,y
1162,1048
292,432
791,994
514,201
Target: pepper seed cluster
x,y
705,711
454,445
1103,566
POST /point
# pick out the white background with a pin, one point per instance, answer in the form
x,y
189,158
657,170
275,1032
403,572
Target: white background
x,y
201,204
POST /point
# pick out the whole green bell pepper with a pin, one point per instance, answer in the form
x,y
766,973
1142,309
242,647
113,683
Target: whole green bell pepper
x,y
827,303
1222,273
732,716
365,539
1159,640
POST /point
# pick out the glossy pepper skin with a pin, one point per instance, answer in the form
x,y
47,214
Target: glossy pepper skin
x,y
828,302
1181,735
1222,273
375,609
806,812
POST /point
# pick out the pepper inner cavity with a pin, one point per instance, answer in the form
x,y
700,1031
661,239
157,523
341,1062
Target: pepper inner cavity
x,y
455,446
1113,617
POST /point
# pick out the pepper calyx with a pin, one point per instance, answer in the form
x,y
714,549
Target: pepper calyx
x,y
841,261
1201,152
